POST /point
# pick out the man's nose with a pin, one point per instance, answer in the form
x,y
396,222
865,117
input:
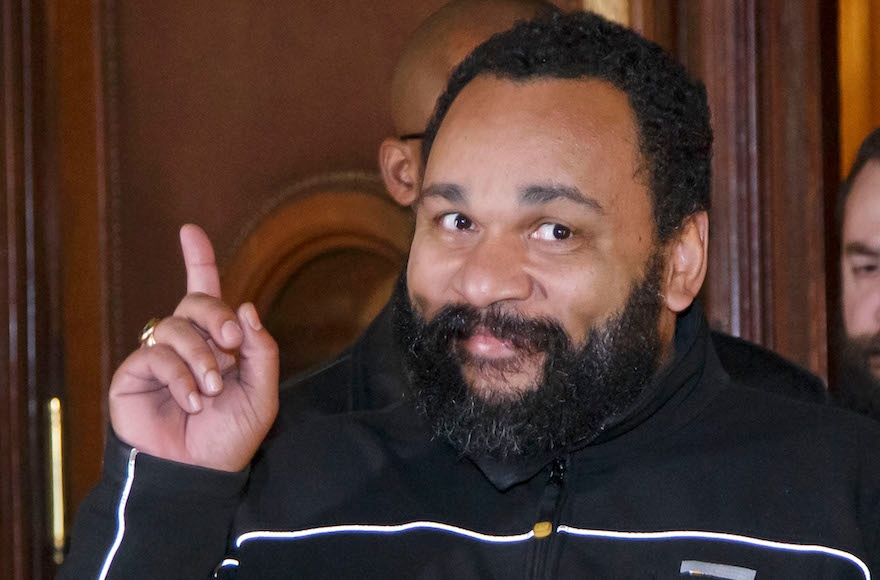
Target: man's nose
x,y
494,270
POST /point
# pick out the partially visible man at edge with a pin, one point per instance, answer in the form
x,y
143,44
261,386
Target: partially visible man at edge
x,y
431,53
859,384
567,415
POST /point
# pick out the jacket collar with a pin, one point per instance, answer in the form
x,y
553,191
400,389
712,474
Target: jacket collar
x,y
672,398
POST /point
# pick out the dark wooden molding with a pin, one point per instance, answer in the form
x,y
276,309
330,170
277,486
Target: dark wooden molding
x,y
109,131
718,47
763,71
831,146
84,260
309,218
792,179
31,363
14,499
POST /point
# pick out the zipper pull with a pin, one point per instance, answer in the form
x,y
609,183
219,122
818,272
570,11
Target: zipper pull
x,y
557,471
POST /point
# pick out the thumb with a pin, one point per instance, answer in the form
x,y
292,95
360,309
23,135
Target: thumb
x,y
258,362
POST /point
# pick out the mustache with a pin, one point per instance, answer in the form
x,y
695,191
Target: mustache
x,y
458,322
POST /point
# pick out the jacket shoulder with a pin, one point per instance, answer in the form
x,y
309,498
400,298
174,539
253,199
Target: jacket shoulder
x,y
754,366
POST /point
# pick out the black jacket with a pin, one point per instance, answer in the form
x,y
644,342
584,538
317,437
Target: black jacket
x,y
702,475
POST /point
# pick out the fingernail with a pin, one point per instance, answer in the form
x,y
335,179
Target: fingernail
x,y
230,331
194,403
213,382
252,317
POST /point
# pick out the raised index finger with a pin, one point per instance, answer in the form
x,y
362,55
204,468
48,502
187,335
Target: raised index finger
x,y
201,266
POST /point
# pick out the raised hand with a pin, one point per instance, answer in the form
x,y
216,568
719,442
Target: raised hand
x,y
207,392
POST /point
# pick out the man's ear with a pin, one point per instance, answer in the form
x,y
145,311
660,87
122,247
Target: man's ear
x,y
687,255
400,167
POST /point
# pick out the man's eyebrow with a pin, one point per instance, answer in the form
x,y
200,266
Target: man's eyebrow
x,y
448,191
861,249
537,194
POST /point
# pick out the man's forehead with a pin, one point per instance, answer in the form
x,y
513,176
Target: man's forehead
x,y
576,125
541,141
568,106
867,182
862,214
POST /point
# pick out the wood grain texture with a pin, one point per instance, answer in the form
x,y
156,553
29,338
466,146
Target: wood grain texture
x,y
763,70
84,250
31,357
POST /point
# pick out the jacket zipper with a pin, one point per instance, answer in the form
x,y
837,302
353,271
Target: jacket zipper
x,y
545,526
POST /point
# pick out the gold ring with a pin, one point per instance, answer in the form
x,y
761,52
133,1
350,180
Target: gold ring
x,y
147,336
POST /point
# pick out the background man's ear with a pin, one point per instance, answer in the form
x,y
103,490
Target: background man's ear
x,y
400,165
686,264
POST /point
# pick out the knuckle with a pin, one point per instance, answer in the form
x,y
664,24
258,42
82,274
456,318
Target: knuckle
x,y
271,349
182,378
203,353
167,327
200,305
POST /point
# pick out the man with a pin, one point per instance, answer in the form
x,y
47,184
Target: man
x,y
567,415
370,374
859,386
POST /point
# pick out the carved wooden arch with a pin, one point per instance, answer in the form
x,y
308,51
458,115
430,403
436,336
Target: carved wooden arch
x,y
319,262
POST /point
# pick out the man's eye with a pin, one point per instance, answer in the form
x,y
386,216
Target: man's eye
x,y
456,221
551,232
865,269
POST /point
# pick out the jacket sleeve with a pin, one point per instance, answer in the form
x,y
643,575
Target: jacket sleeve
x,y
152,518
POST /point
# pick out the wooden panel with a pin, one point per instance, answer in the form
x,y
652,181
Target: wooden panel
x,y
14,508
792,179
84,230
30,364
721,51
764,73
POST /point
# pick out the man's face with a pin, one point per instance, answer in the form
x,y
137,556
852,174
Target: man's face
x,y
532,204
861,268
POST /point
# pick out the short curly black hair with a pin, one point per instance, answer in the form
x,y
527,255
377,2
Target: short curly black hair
x,y
671,110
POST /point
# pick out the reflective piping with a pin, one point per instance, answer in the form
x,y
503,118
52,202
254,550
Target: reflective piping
x,y
120,516
717,536
227,563
375,529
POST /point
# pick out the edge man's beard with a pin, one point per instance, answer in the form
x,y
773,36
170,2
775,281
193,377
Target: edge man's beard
x,y
858,389
579,392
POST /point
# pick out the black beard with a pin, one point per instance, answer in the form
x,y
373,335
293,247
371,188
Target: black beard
x,y
579,392
858,389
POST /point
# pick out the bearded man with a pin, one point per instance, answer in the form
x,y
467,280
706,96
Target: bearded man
x,y
567,416
369,375
859,384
